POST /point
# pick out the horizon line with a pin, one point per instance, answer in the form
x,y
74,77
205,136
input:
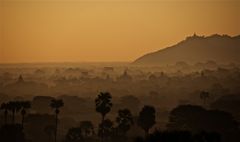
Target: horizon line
x,y
63,62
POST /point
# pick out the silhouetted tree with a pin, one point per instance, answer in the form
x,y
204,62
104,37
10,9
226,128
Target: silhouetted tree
x,y
25,105
197,119
204,96
185,117
87,128
74,135
56,105
103,106
14,107
146,118
5,108
124,121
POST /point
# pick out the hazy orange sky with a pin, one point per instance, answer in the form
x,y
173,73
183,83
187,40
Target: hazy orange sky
x,y
106,30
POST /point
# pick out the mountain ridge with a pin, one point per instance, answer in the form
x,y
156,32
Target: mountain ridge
x,y
193,49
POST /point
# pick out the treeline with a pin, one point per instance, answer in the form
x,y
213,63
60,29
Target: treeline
x,y
187,123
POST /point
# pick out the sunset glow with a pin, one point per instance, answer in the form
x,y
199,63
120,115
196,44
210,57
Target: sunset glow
x,y
106,30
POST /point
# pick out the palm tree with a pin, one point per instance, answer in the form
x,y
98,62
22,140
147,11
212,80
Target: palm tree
x,y
56,105
5,107
124,121
25,105
103,105
204,96
146,118
14,107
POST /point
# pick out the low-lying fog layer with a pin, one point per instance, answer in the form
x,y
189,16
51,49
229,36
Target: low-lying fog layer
x,y
209,85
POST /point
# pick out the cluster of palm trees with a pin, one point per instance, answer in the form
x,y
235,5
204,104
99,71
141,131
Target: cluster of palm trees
x,y
103,102
15,107
146,118
107,131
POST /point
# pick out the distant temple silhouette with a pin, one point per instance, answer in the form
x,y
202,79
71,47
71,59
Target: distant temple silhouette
x,y
20,79
125,76
194,36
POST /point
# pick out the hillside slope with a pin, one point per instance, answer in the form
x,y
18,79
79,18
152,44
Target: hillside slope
x,y
218,48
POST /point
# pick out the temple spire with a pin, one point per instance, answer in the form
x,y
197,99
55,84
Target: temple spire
x,y
20,79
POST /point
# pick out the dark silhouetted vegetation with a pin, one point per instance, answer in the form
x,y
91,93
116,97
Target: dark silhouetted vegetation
x,y
146,118
56,105
178,103
180,136
103,106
